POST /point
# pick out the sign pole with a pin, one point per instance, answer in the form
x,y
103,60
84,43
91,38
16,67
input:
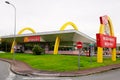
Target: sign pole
x,y
90,56
79,46
79,59
91,50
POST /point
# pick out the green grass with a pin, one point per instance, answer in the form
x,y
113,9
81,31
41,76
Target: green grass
x,y
58,62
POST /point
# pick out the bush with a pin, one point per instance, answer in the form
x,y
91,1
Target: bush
x,y
37,50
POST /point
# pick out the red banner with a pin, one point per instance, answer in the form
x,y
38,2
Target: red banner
x,y
32,39
103,40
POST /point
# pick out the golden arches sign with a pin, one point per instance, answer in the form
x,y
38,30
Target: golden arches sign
x,y
108,29
27,28
20,32
67,24
57,41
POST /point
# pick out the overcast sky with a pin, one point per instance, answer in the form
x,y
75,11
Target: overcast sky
x,y
50,15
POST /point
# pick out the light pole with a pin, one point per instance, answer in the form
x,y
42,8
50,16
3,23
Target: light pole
x,y
14,26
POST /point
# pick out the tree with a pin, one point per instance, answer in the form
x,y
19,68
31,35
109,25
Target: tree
x,y
37,50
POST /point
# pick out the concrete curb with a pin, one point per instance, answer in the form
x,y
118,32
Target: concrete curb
x,y
79,73
12,69
28,71
19,73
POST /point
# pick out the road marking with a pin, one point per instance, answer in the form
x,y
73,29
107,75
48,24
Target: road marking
x,y
48,75
45,78
11,75
41,78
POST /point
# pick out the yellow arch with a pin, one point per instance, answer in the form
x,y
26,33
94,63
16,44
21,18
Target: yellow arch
x,y
27,28
57,41
20,32
100,49
111,27
67,24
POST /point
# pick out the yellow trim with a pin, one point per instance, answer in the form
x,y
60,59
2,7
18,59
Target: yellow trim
x,y
58,38
20,32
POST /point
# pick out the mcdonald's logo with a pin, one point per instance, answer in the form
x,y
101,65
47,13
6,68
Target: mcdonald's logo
x,y
32,39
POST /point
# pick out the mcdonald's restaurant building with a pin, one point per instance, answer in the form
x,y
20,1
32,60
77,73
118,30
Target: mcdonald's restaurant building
x,y
47,40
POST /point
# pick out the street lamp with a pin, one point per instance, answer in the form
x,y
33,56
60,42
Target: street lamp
x,y
14,24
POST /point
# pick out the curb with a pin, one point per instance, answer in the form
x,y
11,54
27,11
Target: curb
x,y
32,72
19,73
80,73
11,67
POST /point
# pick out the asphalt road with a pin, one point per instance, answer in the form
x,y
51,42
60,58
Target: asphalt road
x,y
6,74
109,75
4,70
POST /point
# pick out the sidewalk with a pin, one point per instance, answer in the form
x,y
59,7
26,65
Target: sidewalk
x,y
23,69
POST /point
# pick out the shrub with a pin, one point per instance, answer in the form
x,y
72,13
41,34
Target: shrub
x,y
37,50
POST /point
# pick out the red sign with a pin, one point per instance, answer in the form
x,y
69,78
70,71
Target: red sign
x,y
105,41
32,39
104,19
79,45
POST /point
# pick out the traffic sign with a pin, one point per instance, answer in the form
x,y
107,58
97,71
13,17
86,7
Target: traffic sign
x,y
79,45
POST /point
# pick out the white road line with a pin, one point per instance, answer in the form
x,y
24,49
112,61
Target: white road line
x,y
11,75
41,78
48,75
45,78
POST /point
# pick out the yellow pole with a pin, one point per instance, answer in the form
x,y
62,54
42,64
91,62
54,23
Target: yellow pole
x,y
114,54
100,55
112,34
56,45
12,48
100,49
